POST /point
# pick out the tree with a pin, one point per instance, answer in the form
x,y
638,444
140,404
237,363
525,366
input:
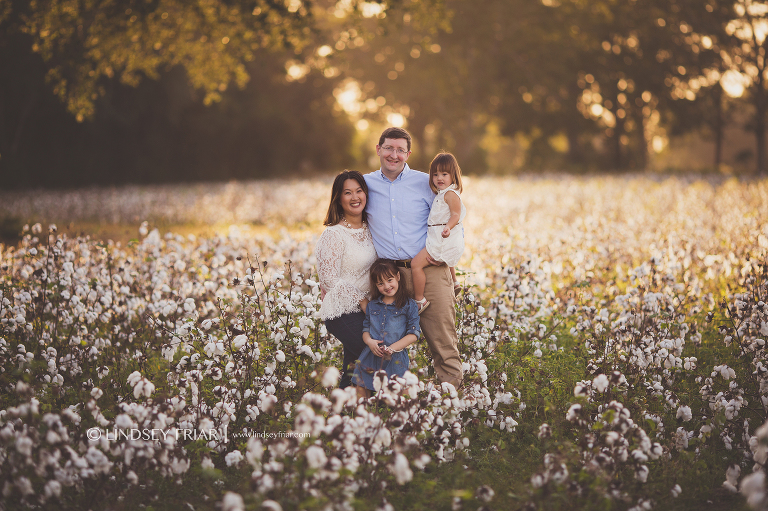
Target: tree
x,y
747,56
564,73
84,42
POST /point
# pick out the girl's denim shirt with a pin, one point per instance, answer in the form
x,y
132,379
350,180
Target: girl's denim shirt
x,y
388,323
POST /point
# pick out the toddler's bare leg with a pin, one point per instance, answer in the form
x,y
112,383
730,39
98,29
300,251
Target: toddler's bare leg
x,y
418,264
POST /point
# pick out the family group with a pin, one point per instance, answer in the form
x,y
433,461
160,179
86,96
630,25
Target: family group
x,y
386,264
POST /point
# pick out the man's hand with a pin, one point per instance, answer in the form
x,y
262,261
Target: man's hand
x,y
433,262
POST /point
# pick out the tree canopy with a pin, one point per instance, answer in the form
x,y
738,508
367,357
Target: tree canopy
x,y
502,83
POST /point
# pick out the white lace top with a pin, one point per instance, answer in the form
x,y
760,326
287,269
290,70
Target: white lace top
x,y
344,257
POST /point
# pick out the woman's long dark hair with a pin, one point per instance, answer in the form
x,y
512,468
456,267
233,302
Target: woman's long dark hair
x,y
335,211
382,269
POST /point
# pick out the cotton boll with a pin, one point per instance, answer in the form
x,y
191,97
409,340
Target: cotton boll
x,y
684,412
331,377
573,413
271,505
401,469
239,341
600,383
52,489
131,477
232,502
580,390
233,458
753,488
316,457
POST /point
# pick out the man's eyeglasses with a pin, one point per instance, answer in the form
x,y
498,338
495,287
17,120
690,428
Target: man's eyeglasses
x,y
390,149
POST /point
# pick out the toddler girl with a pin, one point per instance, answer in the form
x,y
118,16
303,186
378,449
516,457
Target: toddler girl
x,y
391,324
445,238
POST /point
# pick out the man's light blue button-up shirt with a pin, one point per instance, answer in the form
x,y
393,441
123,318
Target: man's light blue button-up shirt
x,y
398,212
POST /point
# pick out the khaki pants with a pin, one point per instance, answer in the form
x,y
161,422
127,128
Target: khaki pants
x,y
438,322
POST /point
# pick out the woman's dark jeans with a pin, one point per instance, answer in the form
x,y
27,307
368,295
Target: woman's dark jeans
x,y
348,328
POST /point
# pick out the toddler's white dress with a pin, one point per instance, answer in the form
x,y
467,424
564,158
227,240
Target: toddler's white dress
x,y
448,249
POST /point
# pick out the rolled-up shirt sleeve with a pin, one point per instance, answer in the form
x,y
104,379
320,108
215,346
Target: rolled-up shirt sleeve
x,y
367,320
412,319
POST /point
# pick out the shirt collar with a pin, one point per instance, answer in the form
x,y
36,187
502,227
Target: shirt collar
x,y
401,175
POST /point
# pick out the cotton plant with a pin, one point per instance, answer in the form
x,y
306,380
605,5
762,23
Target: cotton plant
x,y
179,333
611,455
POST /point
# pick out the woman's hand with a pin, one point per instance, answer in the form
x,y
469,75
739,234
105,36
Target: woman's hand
x,y
364,304
375,346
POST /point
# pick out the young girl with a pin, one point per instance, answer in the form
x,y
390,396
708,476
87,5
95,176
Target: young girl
x,y
391,324
445,238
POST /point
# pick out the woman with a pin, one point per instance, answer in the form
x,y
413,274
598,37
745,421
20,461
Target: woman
x,y
344,254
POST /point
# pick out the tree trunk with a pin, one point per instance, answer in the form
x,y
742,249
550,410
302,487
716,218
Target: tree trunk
x,y
572,128
4,143
575,154
760,126
760,131
642,141
23,117
718,99
618,130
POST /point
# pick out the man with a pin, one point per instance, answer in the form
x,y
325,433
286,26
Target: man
x,y
399,200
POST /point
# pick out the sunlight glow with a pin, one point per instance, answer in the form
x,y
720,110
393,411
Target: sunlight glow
x,y
734,83
343,8
370,9
348,97
296,71
395,119
293,5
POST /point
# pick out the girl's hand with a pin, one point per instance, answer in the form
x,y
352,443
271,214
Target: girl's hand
x,y
446,232
387,353
375,347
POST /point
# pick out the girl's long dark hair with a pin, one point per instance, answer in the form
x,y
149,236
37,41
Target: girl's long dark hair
x,y
382,269
335,211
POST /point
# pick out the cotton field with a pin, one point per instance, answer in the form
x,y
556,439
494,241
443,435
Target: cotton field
x,y
612,330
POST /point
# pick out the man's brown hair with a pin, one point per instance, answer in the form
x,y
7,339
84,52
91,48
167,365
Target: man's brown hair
x,y
395,133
